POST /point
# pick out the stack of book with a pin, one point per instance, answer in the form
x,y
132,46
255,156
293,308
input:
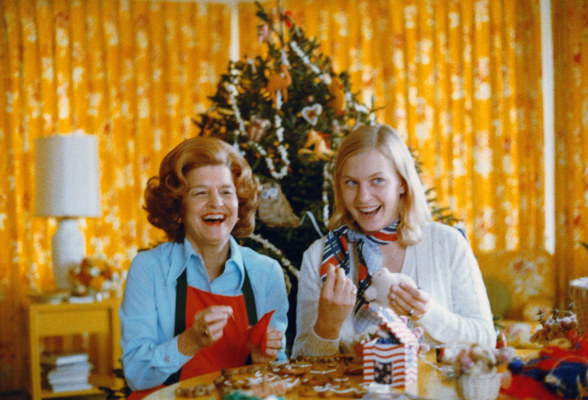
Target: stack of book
x,y
65,372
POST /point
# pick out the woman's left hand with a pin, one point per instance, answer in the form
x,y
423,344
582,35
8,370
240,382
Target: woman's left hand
x,y
408,300
273,345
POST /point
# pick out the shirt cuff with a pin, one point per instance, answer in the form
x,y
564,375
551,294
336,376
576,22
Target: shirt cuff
x,y
173,358
317,346
433,318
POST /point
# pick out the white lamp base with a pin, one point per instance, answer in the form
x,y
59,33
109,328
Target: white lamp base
x,y
69,249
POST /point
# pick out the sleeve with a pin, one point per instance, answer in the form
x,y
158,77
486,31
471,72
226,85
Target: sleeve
x,y
307,342
148,357
470,317
277,299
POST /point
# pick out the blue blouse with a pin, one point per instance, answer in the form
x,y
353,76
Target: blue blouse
x,y
147,313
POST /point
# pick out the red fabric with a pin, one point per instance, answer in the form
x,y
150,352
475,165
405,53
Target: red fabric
x,y
258,334
139,394
385,236
229,351
336,256
524,387
554,355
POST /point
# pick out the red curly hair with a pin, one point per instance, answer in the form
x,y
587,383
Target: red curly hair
x,y
164,193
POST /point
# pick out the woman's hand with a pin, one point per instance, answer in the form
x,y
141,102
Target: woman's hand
x,y
273,344
408,300
335,303
207,328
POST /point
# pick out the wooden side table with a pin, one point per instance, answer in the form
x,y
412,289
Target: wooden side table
x,y
65,319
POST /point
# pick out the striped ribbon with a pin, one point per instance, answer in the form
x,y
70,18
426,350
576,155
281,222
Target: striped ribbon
x,y
336,253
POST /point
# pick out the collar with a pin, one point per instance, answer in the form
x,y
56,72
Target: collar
x,y
183,254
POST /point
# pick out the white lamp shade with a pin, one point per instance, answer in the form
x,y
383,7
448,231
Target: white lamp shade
x,y
67,176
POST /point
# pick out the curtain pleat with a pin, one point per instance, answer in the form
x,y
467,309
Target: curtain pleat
x,y
570,51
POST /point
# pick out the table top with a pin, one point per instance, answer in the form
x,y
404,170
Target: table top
x,y
430,383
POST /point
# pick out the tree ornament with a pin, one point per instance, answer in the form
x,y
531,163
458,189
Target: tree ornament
x,y
311,113
257,128
316,147
279,82
262,33
337,89
274,209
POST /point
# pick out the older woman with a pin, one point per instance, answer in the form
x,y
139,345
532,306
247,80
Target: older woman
x,y
189,303
381,220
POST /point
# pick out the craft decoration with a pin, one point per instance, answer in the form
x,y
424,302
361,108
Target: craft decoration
x,y
206,131
274,209
258,333
257,128
251,63
300,377
312,113
337,90
262,33
275,18
382,281
316,146
279,82
391,358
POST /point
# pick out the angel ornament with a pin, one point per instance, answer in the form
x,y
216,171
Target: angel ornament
x,y
274,209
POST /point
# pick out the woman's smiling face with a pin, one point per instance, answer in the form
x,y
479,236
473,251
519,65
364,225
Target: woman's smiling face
x,y
371,190
210,206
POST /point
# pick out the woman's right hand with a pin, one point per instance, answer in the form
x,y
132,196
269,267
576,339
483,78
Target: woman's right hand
x,y
335,303
207,328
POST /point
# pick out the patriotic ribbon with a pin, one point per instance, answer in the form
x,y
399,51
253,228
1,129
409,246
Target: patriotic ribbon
x,y
336,253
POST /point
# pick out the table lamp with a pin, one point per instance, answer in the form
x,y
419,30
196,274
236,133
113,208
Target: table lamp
x,y
67,187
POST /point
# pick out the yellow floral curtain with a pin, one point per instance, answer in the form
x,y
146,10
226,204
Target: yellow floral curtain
x,y
133,73
461,80
570,53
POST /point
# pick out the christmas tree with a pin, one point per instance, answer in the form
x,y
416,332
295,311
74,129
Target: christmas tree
x,y
286,111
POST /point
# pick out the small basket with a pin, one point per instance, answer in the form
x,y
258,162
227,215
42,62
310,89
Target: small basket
x,y
479,387
579,295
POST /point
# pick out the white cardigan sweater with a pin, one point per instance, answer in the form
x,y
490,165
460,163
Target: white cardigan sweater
x,y
442,264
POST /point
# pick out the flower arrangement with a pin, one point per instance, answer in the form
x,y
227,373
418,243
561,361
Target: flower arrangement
x,y
476,359
560,326
96,276
477,369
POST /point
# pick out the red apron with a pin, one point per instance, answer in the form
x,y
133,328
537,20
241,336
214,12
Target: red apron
x,y
229,351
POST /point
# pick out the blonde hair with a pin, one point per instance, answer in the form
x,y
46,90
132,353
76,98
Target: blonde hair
x,y
413,210
164,193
